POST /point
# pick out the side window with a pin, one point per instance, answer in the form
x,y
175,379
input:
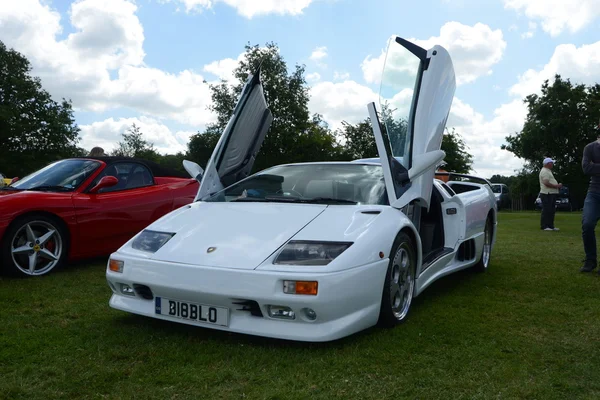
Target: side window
x,y
506,190
131,175
448,189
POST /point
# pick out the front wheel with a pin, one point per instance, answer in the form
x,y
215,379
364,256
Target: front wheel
x,y
33,245
399,282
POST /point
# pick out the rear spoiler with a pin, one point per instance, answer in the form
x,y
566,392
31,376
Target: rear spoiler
x,y
471,177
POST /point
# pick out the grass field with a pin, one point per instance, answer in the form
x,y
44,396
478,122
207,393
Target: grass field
x,y
529,328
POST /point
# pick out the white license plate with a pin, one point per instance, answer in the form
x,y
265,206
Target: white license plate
x,y
192,312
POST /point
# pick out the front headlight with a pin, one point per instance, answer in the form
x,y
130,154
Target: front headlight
x,y
304,252
151,241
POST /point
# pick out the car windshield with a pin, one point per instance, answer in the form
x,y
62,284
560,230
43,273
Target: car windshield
x,y
61,175
496,188
310,183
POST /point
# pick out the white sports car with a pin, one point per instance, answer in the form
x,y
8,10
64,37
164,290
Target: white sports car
x,y
315,251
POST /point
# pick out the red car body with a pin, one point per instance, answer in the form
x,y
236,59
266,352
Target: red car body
x,y
98,224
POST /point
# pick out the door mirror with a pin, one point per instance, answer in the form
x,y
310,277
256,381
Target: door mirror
x,y
13,180
193,169
107,181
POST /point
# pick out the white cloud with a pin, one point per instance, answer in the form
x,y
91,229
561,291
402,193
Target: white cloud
x,y
558,15
107,134
484,137
251,8
344,101
474,49
340,76
580,64
318,55
313,77
223,69
107,41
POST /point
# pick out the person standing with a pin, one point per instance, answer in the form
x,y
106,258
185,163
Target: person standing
x,y
549,187
590,163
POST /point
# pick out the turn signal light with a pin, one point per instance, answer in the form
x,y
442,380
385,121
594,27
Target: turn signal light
x,y
301,287
115,265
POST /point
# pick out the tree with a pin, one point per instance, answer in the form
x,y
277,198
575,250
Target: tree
x,y
294,134
201,145
559,124
457,159
359,141
34,129
134,145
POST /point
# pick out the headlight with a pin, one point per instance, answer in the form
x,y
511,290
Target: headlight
x,y
151,241
303,252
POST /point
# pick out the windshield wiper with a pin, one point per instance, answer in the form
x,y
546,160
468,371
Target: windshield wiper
x,y
50,187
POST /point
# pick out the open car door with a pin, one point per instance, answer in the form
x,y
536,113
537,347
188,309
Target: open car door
x,y
417,88
235,153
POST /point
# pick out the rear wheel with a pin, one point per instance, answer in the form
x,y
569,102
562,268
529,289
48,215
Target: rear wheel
x,y
33,245
486,254
399,282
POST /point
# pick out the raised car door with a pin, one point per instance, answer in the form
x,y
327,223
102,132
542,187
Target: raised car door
x,y
417,89
235,153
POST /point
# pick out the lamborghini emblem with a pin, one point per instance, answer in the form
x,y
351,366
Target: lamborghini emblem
x,y
211,249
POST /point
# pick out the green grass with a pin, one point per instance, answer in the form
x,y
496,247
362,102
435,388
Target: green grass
x,y
529,328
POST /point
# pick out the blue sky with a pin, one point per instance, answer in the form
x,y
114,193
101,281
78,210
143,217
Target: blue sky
x,y
124,61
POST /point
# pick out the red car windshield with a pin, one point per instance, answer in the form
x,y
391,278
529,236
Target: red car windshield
x,y
61,175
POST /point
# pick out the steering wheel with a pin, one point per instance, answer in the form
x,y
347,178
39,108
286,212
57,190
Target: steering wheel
x,y
289,191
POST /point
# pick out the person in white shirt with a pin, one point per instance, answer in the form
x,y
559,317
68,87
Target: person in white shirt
x,y
549,187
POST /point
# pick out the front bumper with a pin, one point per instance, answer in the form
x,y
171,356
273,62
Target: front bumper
x,y
347,301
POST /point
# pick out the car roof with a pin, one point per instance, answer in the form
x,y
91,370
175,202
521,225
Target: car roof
x,y
157,169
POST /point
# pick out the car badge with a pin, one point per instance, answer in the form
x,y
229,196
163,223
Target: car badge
x,y
211,249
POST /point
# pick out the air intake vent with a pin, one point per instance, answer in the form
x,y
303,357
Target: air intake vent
x,y
249,305
466,250
374,212
143,291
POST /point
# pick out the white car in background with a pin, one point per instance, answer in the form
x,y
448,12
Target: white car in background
x,y
315,251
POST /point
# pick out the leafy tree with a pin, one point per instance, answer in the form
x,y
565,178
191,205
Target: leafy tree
x,y
34,129
559,124
174,161
359,141
134,145
294,135
457,159
201,145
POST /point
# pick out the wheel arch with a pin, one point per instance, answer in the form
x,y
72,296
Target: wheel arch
x,y
63,224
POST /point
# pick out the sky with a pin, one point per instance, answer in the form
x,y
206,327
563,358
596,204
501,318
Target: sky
x,y
147,61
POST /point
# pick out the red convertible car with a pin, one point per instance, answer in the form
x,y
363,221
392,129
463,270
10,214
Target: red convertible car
x,y
83,207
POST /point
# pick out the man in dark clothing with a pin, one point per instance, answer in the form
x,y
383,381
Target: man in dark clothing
x,y
591,207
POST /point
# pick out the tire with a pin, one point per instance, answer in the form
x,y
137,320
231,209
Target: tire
x,y
399,285
33,245
486,254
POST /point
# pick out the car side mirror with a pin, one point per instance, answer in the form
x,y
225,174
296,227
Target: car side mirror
x,y
107,181
193,169
13,180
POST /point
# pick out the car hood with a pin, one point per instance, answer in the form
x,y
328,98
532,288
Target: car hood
x,y
243,235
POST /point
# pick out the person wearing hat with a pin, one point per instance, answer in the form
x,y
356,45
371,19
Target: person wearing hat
x,y
590,164
549,187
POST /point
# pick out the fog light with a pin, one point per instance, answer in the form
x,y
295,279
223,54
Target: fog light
x,y
311,315
127,290
115,265
300,287
281,312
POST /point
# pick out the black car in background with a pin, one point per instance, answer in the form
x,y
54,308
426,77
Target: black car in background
x,y
563,200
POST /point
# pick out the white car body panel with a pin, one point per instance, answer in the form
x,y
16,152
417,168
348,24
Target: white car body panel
x,y
243,234
224,253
